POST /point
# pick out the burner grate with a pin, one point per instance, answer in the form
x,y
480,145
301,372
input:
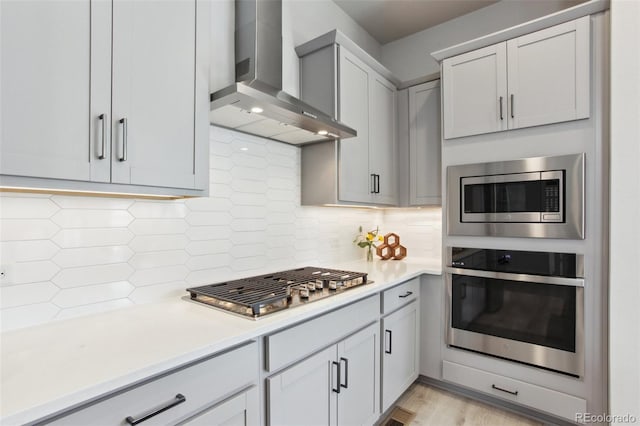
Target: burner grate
x,y
263,294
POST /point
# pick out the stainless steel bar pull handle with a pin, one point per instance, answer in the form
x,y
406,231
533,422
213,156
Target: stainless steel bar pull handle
x,y
501,115
512,107
346,372
387,333
123,121
103,135
177,400
337,388
373,183
504,390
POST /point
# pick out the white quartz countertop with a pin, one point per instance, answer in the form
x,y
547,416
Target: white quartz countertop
x,y
50,368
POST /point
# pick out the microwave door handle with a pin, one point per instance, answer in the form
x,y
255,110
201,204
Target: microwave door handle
x,y
513,177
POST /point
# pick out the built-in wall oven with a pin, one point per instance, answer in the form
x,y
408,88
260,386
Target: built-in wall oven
x,y
520,305
541,197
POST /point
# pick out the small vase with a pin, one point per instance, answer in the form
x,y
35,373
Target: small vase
x,y
369,254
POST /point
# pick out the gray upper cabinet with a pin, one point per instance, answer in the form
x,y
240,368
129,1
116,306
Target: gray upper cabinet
x,y
358,170
540,78
382,140
419,145
105,96
475,92
354,91
55,89
548,75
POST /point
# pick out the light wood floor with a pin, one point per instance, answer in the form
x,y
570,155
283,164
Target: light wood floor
x,y
435,407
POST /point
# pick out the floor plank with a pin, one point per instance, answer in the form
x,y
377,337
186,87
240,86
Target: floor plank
x,y
438,407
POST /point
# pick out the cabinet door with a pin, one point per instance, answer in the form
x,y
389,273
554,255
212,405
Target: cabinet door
x,y
382,139
425,184
240,410
55,84
303,394
400,353
548,75
154,53
359,378
475,91
354,180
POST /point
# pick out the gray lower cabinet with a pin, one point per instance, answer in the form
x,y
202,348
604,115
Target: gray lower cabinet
x,y
217,391
335,386
303,393
500,386
400,355
239,410
419,145
100,96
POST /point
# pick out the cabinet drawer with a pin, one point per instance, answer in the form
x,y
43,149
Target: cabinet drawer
x,y
400,295
543,399
295,343
200,385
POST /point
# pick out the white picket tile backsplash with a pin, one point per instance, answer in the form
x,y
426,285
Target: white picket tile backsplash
x,y
27,208
159,258
19,295
27,251
68,256
96,274
29,272
27,229
85,218
84,256
83,237
70,297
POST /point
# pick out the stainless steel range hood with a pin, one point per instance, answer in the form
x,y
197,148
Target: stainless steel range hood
x,y
256,104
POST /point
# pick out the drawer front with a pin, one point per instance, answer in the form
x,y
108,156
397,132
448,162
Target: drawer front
x,y
542,399
201,385
295,343
400,295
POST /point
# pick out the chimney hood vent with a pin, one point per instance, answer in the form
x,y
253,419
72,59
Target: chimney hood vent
x,y
256,104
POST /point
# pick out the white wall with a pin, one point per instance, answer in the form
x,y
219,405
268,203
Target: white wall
x,y
302,20
410,57
624,316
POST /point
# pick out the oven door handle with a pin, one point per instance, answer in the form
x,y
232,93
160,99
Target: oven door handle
x,y
540,279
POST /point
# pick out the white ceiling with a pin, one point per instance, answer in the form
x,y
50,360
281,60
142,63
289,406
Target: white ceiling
x,y
389,20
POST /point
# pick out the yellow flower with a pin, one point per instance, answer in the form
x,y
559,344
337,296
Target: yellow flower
x,y
380,238
370,236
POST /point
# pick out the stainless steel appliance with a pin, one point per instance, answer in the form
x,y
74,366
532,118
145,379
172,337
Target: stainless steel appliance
x,y
541,197
519,305
261,295
255,103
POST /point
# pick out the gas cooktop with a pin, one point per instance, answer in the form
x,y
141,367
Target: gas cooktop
x,y
257,296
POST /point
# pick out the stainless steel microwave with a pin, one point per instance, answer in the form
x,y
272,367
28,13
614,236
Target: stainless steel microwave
x,y
541,197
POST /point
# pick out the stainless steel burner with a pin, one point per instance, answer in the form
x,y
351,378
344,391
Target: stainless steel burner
x,y
257,296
